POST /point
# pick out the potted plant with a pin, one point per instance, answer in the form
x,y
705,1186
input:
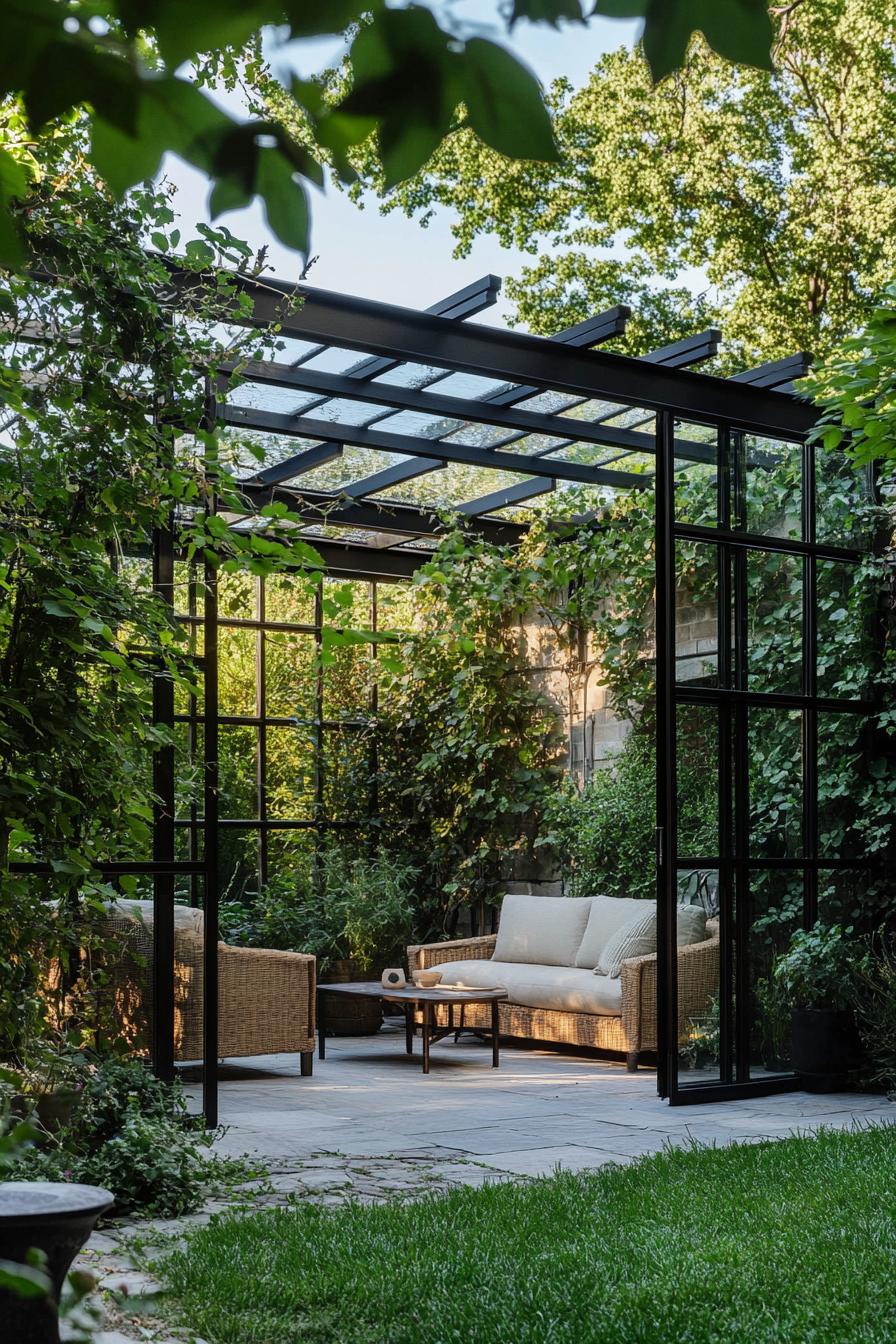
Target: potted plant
x,y
773,1023
356,916
368,912
819,974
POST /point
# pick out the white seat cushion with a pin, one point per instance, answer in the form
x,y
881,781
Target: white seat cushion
x,y
608,914
561,988
541,930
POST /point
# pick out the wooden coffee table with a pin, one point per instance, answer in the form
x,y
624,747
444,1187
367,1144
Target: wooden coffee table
x,y
410,999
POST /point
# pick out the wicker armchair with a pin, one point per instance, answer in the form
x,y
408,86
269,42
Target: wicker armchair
x,y
266,998
631,1033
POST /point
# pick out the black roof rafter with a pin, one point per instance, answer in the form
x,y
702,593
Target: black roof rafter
x,y
433,430
461,304
591,332
359,436
510,356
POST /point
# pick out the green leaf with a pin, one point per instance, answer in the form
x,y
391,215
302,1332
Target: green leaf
x,y
184,30
740,30
13,186
199,253
24,1280
172,115
504,103
285,201
546,11
406,82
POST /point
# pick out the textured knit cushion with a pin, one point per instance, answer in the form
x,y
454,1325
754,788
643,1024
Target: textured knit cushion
x,y
637,938
559,988
541,930
186,918
608,913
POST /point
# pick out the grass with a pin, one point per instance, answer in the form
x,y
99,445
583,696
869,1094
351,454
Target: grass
x,y
792,1241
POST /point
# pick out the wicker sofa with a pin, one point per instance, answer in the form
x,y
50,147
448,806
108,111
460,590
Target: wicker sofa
x,y
622,1016
266,998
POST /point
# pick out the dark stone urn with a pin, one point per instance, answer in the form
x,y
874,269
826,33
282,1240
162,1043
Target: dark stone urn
x,y
57,1218
826,1047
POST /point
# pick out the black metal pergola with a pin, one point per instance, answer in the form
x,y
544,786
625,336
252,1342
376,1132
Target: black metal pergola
x,y
373,417
365,400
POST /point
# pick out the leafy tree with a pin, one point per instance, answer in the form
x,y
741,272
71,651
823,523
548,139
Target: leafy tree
x,y
778,189
123,60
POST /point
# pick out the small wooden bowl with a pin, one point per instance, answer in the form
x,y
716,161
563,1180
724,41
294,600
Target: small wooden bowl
x,y
427,979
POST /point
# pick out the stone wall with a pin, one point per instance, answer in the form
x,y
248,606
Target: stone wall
x,y
574,681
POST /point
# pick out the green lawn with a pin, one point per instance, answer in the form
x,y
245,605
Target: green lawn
x,y
792,1241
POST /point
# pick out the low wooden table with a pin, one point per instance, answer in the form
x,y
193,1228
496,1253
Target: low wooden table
x,y
410,999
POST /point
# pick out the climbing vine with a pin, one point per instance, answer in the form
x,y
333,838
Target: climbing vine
x,y
103,441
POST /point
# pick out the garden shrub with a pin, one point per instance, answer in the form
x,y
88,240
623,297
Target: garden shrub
x,y
876,1009
343,905
119,1127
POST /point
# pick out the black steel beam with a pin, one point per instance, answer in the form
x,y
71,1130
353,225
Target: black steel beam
x,y
461,409
407,470
691,350
466,302
462,303
512,494
316,456
352,561
401,333
779,373
592,331
455,307
318,506
360,437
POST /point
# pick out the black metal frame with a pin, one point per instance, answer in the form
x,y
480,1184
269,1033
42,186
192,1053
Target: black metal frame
x,y
732,699
365,530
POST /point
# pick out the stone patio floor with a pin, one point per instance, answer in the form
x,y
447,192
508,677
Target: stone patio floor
x,y
370,1126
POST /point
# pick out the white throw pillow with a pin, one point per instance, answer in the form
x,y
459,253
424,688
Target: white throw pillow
x,y
635,939
185,916
608,913
541,930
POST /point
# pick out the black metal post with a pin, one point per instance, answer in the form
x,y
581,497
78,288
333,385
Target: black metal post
x,y
666,810
211,830
725,727
742,920
810,689
163,832
261,709
210,854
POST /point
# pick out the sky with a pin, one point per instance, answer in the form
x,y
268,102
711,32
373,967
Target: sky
x,y
390,257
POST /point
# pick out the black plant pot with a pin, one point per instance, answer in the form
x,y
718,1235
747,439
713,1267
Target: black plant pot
x,y
825,1046
56,1218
